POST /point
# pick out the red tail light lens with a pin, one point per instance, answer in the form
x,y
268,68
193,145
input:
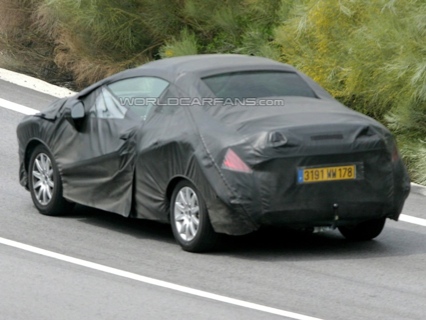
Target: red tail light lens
x,y
395,154
233,162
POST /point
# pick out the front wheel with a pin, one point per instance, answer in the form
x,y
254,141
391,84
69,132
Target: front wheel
x,y
364,231
45,183
190,220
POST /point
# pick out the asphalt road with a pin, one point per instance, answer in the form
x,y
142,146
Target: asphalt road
x,y
319,275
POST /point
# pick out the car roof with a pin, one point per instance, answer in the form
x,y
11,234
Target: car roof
x,y
211,62
201,65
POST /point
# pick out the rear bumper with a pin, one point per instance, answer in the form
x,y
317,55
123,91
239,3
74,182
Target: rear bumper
x,y
273,196
326,214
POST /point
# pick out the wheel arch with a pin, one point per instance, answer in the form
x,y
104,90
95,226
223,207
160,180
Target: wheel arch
x,y
31,145
171,187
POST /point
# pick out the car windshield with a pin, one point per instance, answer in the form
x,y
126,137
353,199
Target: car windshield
x,y
258,84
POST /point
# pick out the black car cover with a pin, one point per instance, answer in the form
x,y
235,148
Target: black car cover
x,y
116,161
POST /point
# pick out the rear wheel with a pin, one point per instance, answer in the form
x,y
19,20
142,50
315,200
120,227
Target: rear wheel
x,y
364,231
190,220
45,183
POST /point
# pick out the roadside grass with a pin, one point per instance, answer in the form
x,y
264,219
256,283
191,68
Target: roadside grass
x,y
24,46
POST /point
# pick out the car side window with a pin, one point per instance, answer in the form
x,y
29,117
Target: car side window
x,y
107,106
139,94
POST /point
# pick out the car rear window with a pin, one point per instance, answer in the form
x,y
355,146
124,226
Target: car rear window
x,y
258,84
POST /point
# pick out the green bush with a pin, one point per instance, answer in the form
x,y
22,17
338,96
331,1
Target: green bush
x,y
371,56
98,38
237,26
94,39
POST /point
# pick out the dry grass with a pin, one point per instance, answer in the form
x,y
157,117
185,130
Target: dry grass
x,y
13,15
24,47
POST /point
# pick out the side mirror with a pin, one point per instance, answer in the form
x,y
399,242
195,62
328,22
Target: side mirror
x,y
75,114
77,111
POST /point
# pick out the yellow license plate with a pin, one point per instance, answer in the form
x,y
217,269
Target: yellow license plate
x,y
308,175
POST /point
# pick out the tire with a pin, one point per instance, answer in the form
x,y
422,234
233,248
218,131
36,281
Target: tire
x,y
364,231
45,183
190,220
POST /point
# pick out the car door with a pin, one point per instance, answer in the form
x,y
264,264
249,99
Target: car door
x,y
100,161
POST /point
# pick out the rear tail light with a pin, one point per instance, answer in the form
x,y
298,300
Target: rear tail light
x,y
233,162
395,154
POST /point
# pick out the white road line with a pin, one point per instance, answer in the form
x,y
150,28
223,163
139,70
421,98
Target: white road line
x,y
413,220
155,282
34,84
17,107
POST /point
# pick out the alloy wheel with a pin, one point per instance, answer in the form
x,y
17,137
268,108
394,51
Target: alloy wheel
x,y
187,213
42,179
